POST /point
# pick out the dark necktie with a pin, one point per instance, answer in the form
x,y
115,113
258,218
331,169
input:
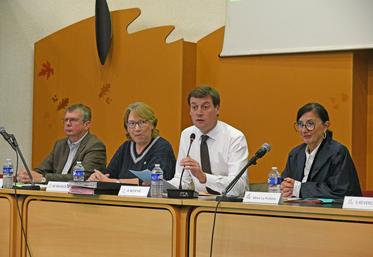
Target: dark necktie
x,y
205,160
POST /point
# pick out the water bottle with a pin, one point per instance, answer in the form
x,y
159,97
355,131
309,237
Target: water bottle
x,y
8,174
157,182
78,171
274,181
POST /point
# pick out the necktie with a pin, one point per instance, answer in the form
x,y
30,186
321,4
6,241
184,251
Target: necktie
x,y
205,160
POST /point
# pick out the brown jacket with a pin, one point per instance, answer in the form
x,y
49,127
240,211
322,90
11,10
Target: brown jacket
x,y
91,152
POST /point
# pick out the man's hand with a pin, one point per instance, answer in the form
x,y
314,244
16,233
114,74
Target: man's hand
x,y
195,168
24,178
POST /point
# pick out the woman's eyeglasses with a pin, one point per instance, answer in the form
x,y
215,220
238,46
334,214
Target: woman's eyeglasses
x,y
132,124
309,125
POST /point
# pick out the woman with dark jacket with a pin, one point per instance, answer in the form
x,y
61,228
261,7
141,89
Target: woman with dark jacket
x,y
320,167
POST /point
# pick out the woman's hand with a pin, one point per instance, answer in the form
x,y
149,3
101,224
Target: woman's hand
x,y
99,176
287,187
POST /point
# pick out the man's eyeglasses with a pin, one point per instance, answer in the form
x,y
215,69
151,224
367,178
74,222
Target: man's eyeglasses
x,y
309,125
71,120
132,124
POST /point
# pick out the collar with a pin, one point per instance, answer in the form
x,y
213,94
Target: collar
x,y
77,142
313,153
213,133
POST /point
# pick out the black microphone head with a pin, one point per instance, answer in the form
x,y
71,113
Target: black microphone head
x,y
263,150
192,137
4,133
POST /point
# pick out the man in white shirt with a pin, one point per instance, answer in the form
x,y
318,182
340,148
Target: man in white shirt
x,y
79,145
226,146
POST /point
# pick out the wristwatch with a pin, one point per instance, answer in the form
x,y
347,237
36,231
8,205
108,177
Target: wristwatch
x,y
43,180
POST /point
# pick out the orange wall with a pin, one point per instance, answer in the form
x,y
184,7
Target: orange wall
x,y
140,67
261,95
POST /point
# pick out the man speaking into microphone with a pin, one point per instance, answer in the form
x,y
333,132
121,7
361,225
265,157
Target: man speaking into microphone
x,y
218,152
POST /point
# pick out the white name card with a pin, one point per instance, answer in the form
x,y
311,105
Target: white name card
x,y
134,191
261,197
60,187
1,182
360,203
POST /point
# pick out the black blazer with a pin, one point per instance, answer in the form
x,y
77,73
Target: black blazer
x,y
332,175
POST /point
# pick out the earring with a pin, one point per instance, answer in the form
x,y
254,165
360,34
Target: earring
x,y
324,135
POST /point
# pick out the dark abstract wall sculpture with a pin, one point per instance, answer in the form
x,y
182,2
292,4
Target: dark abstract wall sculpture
x,y
103,29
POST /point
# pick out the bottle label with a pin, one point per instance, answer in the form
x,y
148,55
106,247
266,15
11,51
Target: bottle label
x,y
78,173
156,176
7,170
274,181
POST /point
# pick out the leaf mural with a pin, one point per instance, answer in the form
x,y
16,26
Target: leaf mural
x,y
54,99
104,91
63,104
46,70
108,100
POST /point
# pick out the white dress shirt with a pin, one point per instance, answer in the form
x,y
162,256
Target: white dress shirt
x,y
310,157
228,155
73,149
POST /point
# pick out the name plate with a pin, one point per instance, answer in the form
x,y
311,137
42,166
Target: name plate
x,y
360,203
134,191
262,197
60,187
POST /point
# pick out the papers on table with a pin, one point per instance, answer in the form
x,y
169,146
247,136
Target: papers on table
x,y
144,175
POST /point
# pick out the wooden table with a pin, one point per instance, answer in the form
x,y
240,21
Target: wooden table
x,y
8,220
279,230
60,224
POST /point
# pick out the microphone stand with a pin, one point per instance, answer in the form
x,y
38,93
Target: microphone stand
x,y
181,193
224,197
15,146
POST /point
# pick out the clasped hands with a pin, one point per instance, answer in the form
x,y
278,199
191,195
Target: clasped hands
x,y
99,176
287,187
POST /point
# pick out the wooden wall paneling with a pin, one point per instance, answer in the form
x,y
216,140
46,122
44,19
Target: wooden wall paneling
x,y
369,157
359,115
261,95
141,66
189,80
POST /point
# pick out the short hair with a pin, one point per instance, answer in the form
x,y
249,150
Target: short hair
x,y
203,91
85,110
145,112
317,108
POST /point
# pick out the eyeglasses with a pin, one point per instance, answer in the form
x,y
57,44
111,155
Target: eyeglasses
x,y
71,120
132,124
309,125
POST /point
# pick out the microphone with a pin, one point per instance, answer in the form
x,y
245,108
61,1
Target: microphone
x,y
183,193
7,137
14,144
192,137
265,148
